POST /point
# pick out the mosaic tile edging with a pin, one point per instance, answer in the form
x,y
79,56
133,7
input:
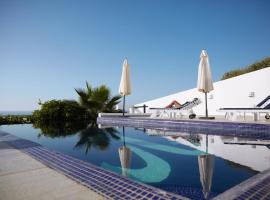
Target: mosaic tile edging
x,y
258,131
105,183
256,187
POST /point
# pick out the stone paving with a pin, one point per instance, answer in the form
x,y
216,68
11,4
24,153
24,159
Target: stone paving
x,y
22,177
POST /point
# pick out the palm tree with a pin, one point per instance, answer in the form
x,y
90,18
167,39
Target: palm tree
x,y
97,100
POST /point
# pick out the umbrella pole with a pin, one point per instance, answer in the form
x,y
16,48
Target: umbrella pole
x,y
206,143
124,136
124,106
206,110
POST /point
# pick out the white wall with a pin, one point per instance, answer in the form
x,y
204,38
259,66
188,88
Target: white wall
x,y
233,92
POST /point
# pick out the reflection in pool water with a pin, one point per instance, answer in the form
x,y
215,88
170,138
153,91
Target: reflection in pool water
x,y
93,137
192,165
206,167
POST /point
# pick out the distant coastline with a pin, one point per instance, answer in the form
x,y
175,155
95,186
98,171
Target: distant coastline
x,y
16,113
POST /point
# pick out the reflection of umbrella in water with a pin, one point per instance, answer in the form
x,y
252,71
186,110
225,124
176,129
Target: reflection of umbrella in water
x,y
125,156
206,167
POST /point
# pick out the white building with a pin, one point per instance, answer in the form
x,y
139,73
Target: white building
x,y
242,91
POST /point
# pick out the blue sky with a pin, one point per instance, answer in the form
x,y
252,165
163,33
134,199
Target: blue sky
x,y
48,48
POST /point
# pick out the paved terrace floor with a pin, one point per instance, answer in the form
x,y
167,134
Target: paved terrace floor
x,y
22,177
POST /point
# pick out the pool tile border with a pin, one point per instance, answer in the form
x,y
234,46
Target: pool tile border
x,y
256,187
238,129
101,181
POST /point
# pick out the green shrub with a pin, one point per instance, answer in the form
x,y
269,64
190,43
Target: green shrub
x,y
60,112
256,66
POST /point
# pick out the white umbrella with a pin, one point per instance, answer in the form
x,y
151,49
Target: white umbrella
x,y
206,167
205,83
125,86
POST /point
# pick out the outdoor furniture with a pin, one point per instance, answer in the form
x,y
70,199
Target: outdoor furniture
x,y
262,108
184,109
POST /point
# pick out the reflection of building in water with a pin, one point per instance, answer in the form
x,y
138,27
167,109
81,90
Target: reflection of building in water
x,y
247,152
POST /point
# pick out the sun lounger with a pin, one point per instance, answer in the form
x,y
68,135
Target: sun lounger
x,y
184,109
262,107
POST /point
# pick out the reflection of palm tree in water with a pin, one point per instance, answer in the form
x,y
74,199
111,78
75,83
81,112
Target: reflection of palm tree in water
x,y
93,137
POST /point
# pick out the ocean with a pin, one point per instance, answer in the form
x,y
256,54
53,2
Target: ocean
x,y
16,112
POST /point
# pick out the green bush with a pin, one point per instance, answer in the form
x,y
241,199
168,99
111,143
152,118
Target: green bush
x,y
256,66
60,112
59,118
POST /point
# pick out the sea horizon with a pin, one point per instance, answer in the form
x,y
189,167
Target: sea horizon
x,y
16,112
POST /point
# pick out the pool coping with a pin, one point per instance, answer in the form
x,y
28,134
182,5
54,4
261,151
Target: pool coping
x,y
210,127
256,187
106,183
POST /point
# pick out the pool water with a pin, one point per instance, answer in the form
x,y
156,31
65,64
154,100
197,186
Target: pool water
x,y
196,166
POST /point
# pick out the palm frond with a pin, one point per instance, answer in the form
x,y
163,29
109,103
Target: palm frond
x,y
83,96
89,89
101,94
97,99
113,102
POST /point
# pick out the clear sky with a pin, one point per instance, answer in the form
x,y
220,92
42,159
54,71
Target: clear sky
x,y
50,47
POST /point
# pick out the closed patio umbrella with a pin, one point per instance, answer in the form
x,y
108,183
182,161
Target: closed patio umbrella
x,y
125,156
125,86
205,83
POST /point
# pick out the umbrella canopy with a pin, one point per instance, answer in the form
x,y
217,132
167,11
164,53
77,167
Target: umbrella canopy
x,y
125,86
206,167
205,83
125,158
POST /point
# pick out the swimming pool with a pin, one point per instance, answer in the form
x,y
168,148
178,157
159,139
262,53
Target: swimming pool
x,y
193,165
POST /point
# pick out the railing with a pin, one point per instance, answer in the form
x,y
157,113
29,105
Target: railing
x,y
143,106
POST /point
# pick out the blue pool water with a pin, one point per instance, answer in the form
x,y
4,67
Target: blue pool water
x,y
191,165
